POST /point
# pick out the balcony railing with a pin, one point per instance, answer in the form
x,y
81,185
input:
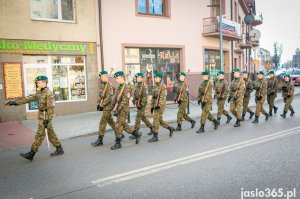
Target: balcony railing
x,y
231,30
258,20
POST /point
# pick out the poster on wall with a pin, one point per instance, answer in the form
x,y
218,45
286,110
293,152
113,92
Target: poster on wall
x,y
13,80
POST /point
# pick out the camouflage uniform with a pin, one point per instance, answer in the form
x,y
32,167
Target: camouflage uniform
x,y
246,100
221,92
287,94
46,104
236,97
272,94
260,86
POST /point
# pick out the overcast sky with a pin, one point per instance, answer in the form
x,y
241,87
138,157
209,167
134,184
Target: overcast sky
x,y
281,24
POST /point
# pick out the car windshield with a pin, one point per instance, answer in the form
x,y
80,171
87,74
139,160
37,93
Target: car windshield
x,y
296,72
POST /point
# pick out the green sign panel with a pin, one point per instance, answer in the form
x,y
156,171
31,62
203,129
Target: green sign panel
x,y
45,47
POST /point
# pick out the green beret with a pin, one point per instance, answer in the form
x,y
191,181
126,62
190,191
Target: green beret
x,y
272,72
205,73
160,75
220,73
139,75
244,72
41,78
182,73
261,72
236,70
287,75
118,73
103,73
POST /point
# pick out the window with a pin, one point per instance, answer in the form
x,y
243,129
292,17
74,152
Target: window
x,y
53,10
215,10
152,7
212,61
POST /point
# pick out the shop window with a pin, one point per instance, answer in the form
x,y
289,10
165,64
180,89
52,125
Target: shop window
x,y
53,10
77,80
60,82
152,7
212,61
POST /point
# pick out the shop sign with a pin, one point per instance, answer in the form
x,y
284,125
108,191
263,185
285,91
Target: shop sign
x,y
13,80
230,27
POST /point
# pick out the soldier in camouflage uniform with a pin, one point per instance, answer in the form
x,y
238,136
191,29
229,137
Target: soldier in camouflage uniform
x,y
120,108
247,96
221,92
46,103
236,96
260,86
104,104
272,92
287,94
158,104
182,99
205,99
140,95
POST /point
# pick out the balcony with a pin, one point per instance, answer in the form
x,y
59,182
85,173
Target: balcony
x,y
245,43
255,43
258,20
231,30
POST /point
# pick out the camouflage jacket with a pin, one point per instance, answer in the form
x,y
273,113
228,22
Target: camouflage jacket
x,y
261,87
123,103
105,99
237,86
183,97
201,91
140,90
155,94
221,88
45,101
248,86
272,85
288,89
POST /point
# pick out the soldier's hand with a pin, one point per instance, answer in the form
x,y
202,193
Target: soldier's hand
x,y
288,96
179,101
203,103
229,99
258,97
134,101
199,101
46,122
156,107
234,98
272,93
139,106
220,98
99,108
11,103
284,88
152,110
116,113
175,101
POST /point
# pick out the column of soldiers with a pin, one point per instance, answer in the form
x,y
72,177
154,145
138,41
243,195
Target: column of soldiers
x,y
116,103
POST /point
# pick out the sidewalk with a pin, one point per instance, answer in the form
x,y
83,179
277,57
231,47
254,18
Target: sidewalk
x,y
87,123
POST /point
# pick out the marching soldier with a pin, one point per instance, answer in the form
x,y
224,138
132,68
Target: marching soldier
x,y
46,105
182,99
104,104
205,99
236,96
287,94
140,95
158,104
221,92
260,86
272,92
120,108
247,96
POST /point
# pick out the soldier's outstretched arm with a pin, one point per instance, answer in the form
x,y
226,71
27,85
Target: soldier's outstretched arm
x,y
27,99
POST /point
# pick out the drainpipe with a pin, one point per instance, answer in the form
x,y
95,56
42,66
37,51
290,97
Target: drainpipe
x,y
99,35
231,13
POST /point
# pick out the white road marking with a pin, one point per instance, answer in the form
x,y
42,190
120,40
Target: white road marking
x,y
192,158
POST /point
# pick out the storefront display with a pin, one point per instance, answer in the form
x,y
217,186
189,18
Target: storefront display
x,y
212,61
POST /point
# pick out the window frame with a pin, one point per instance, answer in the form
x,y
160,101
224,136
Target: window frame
x,y
60,20
165,14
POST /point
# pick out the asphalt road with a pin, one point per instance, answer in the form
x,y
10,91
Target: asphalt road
x,y
224,163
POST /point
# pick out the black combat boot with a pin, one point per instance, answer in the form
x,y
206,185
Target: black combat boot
x,y
237,123
193,122
178,127
283,115
137,136
59,151
229,118
171,129
292,112
154,138
117,145
275,109
151,131
29,155
219,119
267,116
201,130
123,136
255,121
270,113
243,117
251,115
98,142
216,123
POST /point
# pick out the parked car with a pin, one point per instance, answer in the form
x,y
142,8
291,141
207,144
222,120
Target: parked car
x,y
297,81
295,74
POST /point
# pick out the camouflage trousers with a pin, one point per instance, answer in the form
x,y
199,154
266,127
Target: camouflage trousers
x,y
221,110
206,113
260,107
140,116
106,118
121,124
288,104
182,113
246,108
236,107
158,120
270,100
41,134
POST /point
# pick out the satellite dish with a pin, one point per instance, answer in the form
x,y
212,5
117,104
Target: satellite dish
x,y
248,19
255,35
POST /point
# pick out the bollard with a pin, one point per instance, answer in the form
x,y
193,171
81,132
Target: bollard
x,y
128,117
